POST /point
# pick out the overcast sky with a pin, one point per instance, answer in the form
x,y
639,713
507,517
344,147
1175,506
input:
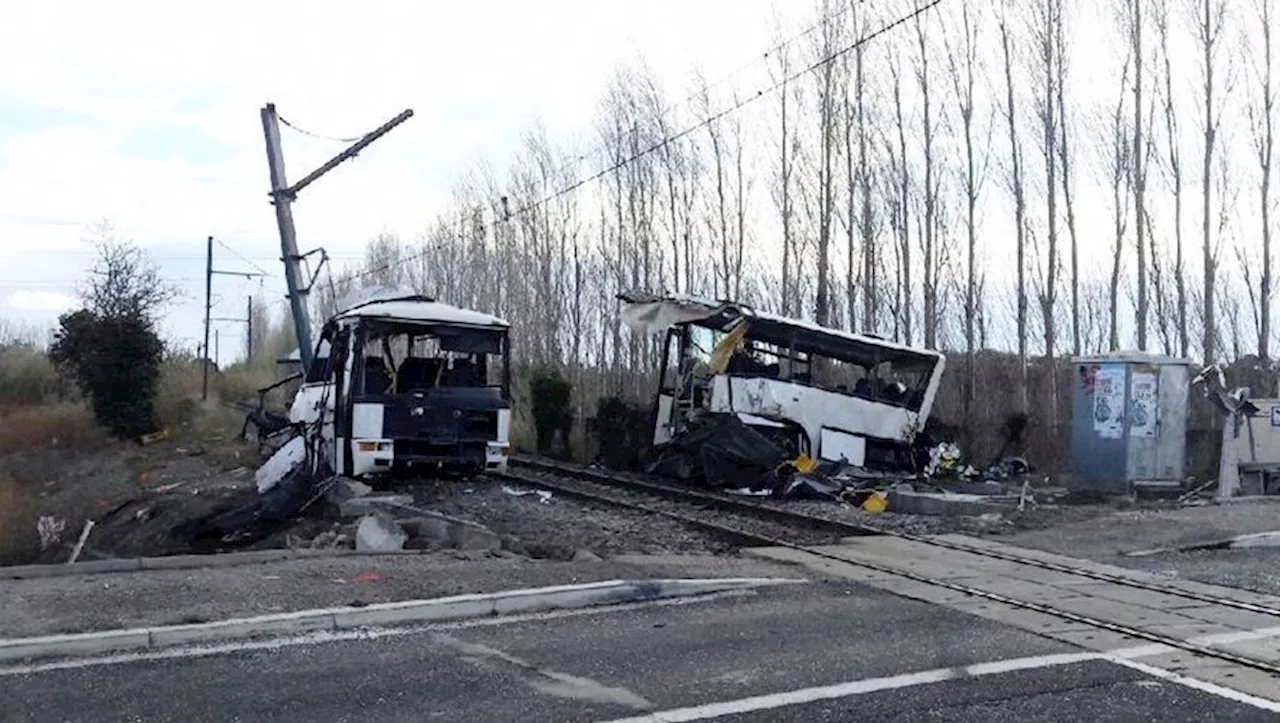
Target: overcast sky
x,y
147,113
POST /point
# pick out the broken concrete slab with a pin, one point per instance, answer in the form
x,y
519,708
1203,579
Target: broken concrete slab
x,y
445,531
939,503
379,532
348,489
358,506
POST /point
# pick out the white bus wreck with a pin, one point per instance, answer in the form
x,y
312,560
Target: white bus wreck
x,y
400,382
813,392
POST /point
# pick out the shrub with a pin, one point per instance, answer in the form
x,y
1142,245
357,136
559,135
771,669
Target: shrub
x,y
110,347
115,360
550,395
622,430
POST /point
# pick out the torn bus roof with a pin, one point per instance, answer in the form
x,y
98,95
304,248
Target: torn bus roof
x,y
418,309
650,314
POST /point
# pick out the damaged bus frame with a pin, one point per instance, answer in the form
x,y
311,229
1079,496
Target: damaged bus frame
x,y
401,383
822,393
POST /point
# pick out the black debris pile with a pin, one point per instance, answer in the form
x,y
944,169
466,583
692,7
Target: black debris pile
x,y
720,451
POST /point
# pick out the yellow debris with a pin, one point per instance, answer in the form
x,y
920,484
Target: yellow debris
x,y
804,464
876,502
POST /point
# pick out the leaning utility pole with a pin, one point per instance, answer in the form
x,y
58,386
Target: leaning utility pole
x,y
283,195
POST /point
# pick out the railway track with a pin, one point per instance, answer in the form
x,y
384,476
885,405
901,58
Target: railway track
x,y
755,523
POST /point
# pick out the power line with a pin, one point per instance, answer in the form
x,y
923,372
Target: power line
x,y
600,148
318,136
736,106
244,258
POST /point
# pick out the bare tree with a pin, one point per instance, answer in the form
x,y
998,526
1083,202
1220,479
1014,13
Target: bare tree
x,y
783,191
964,62
900,207
1135,26
1016,188
1045,34
1174,173
828,81
1209,23
1065,158
1261,111
929,223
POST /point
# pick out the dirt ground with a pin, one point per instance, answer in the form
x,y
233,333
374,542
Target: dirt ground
x,y
133,493
556,528
137,494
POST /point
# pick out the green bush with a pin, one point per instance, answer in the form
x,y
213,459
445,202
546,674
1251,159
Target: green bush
x,y
622,430
115,360
550,396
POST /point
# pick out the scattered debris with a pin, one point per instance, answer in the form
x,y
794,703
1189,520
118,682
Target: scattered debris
x,y
153,437
280,464
544,496
50,530
84,535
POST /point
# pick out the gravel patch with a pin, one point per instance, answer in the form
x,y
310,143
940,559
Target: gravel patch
x,y
560,528
1000,521
1257,570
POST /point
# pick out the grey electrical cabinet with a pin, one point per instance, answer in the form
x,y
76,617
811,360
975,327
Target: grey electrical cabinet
x,y
1129,421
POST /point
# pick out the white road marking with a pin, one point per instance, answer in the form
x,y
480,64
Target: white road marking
x,y
323,637
1123,656
550,682
1201,685
856,687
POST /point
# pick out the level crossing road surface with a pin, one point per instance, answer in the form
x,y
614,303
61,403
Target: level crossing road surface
x,y
827,650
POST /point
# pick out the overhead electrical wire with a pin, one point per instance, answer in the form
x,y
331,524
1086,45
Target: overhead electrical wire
x,y
755,60
715,117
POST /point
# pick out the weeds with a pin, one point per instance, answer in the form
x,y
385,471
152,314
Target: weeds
x,y
19,541
65,425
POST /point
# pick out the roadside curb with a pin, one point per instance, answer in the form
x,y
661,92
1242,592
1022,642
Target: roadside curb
x,y
459,607
1254,540
186,562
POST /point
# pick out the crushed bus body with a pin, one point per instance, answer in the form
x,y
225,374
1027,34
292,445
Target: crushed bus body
x,y
406,382
739,380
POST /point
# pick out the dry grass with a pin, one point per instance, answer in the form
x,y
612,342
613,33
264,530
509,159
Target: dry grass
x,y
27,377
65,425
19,541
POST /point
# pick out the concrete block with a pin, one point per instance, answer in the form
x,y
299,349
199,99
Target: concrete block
x,y
379,532
26,572
240,629
463,607
230,559
940,504
110,641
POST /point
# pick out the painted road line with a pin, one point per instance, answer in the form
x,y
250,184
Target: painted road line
x,y
1201,685
856,687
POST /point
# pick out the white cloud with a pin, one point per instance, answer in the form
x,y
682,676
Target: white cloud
x,y
42,301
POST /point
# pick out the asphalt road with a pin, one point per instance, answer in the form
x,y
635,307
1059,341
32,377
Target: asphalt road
x,y
641,662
